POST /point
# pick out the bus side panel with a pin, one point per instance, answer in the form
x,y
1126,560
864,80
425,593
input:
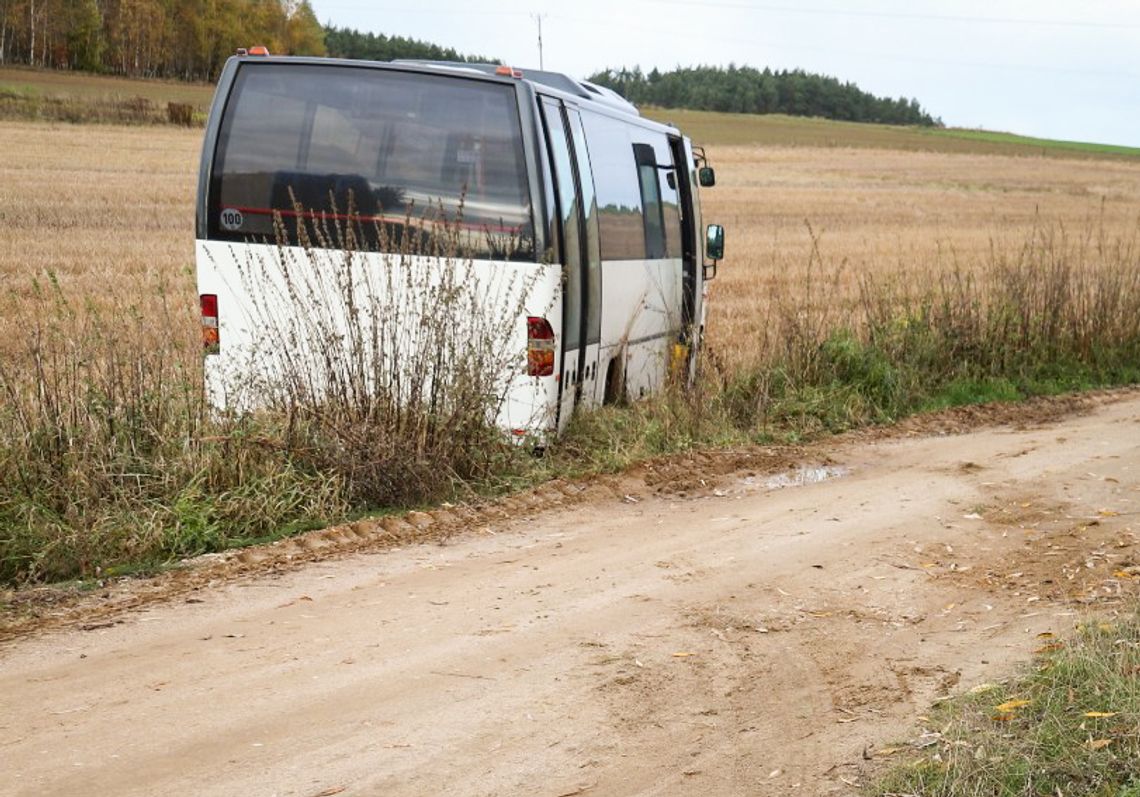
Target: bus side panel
x,y
641,320
641,266
646,309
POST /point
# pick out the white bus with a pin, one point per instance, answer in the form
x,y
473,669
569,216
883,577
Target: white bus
x,y
559,183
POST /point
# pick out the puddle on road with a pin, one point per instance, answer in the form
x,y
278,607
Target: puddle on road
x,y
798,477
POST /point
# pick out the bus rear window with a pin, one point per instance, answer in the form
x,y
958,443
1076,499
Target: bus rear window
x,y
305,151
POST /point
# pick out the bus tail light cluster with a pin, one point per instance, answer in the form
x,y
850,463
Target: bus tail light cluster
x,y
539,347
211,340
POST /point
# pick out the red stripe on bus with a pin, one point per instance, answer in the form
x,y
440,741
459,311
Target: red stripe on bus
x,y
315,214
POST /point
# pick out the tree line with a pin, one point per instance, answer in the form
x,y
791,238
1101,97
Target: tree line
x,y
186,39
349,43
748,90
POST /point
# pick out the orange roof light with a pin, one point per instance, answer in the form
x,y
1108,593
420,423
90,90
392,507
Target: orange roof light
x,y
508,71
259,49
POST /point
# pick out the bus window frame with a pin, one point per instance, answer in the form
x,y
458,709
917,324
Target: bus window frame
x,y
209,177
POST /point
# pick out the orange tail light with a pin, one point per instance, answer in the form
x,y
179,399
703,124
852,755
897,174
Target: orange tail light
x,y
211,339
539,347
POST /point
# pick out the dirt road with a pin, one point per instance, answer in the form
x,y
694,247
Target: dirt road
x,y
753,635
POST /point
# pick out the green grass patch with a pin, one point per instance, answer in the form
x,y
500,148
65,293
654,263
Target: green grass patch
x,y
713,128
1044,144
1068,725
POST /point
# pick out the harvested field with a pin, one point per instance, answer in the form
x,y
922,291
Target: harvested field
x,y
899,214
109,211
48,82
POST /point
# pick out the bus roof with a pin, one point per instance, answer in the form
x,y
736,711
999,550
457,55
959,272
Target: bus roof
x,y
582,91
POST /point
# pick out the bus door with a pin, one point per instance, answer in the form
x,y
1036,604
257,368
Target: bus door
x,y
581,257
688,233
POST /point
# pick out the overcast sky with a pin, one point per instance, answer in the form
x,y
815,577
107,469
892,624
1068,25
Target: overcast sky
x,y
1068,70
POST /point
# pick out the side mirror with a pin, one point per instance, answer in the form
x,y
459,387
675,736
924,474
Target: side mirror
x,y
706,176
714,242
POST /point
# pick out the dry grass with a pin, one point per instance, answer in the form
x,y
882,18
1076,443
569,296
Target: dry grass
x,y
1069,725
109,456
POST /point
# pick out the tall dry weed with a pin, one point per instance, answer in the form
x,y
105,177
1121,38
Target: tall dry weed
x,y
1054,311
110,454
386,352
107,451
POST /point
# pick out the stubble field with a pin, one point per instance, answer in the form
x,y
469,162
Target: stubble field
x,y
892,215
109,211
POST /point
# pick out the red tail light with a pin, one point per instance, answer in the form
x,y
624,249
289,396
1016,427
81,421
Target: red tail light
x,y
539,347
211,341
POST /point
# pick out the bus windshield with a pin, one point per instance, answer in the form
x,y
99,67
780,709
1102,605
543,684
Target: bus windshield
x,y
307,151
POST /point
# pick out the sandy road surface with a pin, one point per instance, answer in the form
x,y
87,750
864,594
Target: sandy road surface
x,y
743,639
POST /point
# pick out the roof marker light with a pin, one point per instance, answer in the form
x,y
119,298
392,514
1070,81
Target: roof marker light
x,y
259,49
508,71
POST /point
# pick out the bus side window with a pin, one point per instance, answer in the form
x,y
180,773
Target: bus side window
x,y
653,218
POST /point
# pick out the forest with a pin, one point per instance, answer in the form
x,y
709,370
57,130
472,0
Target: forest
x,y
748,90
185,39
349,43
